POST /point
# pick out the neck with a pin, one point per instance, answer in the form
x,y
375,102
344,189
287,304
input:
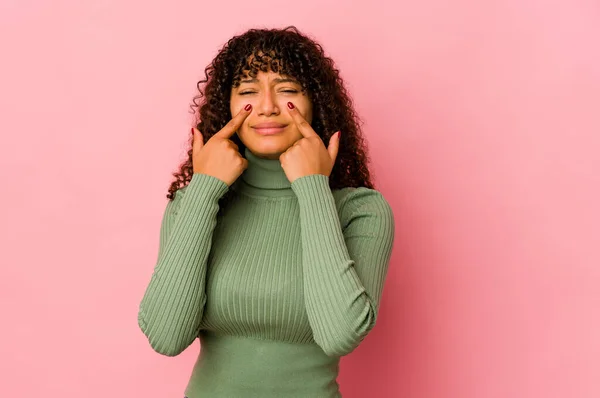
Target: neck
x,y
264,177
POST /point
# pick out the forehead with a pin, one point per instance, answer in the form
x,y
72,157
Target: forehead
x,y
264,65
263,68
269,76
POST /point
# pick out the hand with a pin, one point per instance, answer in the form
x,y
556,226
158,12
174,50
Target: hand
x,y
308,155
220,157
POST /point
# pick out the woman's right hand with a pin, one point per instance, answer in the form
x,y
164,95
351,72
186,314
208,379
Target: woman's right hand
x,y
220,157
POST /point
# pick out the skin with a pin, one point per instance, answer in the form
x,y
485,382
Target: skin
x,y
268,98
299,148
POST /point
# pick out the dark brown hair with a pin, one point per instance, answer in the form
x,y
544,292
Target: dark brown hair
x,y
288,52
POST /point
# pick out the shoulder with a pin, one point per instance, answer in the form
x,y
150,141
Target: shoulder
x,y
356,202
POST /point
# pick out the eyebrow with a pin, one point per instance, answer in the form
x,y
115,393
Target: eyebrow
x,y
276,81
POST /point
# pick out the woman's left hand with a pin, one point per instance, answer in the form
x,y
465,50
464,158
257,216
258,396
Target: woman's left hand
x,y
308,155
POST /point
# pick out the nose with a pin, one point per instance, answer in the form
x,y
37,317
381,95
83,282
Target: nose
x,y
267,104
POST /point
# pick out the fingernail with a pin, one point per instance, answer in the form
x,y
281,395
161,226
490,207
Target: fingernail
x,y
339,134
192,129
290,105
248,107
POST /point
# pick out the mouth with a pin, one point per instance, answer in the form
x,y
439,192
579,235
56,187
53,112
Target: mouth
x,y
269,129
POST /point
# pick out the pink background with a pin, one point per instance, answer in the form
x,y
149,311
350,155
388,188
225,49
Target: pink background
x,y
483,121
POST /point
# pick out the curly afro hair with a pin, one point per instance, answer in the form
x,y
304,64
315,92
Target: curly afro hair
x,y
288,52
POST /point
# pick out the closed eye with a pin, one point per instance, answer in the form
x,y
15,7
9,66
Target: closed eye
x,y
282,91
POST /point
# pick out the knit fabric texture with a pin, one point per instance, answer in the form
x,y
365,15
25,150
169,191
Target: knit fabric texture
x,y
278,285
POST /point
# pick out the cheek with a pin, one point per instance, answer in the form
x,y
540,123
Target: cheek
x,y
304,107
306,113
235,107
236,103
308,116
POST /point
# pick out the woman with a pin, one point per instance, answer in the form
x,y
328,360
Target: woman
x,y
274,247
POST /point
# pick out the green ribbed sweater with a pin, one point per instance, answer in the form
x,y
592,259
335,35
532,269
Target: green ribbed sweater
x,y
278,285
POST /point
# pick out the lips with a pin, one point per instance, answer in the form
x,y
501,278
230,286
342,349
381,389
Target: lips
x,y
267,125
269,128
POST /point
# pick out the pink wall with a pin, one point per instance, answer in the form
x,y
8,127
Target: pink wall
x,y
483,120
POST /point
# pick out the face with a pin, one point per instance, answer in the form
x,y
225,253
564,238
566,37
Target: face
x,y
269,94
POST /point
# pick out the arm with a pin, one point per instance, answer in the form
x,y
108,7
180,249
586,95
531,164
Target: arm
x,y
171,310
345,263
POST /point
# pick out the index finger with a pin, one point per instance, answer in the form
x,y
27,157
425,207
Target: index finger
x,y
305,129
231,126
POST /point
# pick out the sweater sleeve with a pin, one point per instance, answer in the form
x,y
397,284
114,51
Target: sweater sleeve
x,y
344,262
173,304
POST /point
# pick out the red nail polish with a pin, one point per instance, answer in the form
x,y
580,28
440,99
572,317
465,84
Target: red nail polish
x,y
192,130
290,105
339,134
248,107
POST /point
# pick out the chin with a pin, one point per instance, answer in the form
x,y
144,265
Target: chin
x,y
268,146
267,151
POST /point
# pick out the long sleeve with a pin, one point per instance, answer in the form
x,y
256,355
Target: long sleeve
x,y
172,307
345,261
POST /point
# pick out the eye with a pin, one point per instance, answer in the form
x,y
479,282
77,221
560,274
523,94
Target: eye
x,y
291,91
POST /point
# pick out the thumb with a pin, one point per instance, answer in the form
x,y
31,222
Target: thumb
x,y
198,139
334,145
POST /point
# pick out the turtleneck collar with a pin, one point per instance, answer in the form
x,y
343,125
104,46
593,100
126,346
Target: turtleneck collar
x,y
264,177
